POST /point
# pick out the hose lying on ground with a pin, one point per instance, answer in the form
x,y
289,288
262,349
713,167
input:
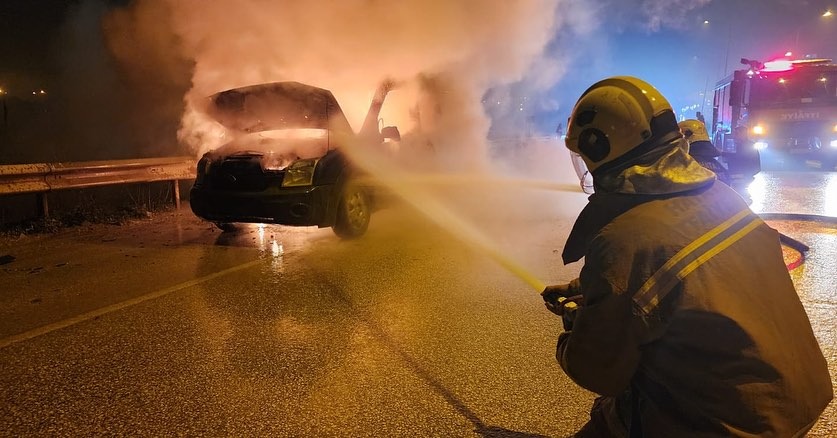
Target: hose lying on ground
x,y
800,247
791,242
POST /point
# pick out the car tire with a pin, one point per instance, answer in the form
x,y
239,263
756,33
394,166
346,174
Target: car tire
x,y
353,213
226,226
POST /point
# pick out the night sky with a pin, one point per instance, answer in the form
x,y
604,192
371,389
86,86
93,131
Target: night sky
x,y
689,57
89,109
30,34
681,51
27,30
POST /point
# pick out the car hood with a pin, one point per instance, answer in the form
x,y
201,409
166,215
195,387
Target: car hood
x,y
277,105
285,148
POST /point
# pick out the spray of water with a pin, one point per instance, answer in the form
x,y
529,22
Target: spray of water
x,y
482,180
410,188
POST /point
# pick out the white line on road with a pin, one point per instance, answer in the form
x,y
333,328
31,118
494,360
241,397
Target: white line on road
x,y
5,342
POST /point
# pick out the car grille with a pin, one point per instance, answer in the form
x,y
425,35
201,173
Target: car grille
x,y
240,173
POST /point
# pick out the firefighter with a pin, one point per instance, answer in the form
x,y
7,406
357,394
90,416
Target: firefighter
x,y
684,318
746,162
702,149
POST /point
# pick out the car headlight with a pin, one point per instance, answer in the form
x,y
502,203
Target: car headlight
x,y
300,173
760,145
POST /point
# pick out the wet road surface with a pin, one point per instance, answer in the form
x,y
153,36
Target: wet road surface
x,y
807,202
279,332
168,327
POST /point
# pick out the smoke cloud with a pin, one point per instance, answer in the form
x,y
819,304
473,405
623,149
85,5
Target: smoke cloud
x,y
455,58
448,54
466,68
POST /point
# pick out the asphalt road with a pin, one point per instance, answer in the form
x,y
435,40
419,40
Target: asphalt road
x,y
169,327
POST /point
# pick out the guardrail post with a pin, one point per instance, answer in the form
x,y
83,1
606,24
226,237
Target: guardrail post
x,y
176,192
43,206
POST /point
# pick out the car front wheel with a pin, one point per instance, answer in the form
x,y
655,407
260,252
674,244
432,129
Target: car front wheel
x,y
353,213
226,227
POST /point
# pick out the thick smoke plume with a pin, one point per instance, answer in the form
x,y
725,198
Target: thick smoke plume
x,y
453,57
447,53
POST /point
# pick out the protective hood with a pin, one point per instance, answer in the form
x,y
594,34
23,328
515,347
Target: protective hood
x,y
663,169
277,105
660,172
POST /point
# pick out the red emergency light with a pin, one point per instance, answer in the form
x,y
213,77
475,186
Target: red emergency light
x,y
777,65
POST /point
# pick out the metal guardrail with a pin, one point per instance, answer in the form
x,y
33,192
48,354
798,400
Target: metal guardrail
x,y
43,178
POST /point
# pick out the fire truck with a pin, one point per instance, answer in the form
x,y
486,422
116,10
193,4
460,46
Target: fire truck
x,y
779,112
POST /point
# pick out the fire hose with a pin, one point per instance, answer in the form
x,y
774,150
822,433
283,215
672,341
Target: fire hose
x,y
800,247
792,243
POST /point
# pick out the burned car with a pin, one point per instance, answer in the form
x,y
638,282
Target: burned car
x,y
284,163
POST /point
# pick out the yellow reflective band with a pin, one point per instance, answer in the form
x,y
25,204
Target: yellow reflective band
x,y
689,258
651,282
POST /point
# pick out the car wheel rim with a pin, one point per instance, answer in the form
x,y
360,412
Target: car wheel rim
x,y
356,209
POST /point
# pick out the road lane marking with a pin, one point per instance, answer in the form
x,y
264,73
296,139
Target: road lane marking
x,y
5,342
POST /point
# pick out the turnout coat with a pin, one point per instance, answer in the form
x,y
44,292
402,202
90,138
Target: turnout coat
x,y
689,306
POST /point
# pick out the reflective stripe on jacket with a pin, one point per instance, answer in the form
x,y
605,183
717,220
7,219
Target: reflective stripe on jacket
x,y
688,298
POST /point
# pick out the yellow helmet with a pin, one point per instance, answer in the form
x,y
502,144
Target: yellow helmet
x,y
615,116
694,130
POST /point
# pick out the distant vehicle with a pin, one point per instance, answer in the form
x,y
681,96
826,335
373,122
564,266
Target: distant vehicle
x,y
283,163
787,107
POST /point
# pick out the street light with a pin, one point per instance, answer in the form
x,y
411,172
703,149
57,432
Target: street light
x,y
827,14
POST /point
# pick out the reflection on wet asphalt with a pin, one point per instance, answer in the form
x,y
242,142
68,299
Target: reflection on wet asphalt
x,y
806,202
795,192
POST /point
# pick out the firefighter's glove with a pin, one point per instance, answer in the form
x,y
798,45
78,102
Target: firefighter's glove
x,y
569,308
563,300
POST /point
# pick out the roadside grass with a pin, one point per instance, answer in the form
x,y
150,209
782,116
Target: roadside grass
x,y
80,215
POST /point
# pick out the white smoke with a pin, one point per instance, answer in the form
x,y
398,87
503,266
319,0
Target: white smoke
x,y
462,47
453,56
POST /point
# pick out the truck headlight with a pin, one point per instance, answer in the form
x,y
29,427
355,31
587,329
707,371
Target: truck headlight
x,y
760,145
300,173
